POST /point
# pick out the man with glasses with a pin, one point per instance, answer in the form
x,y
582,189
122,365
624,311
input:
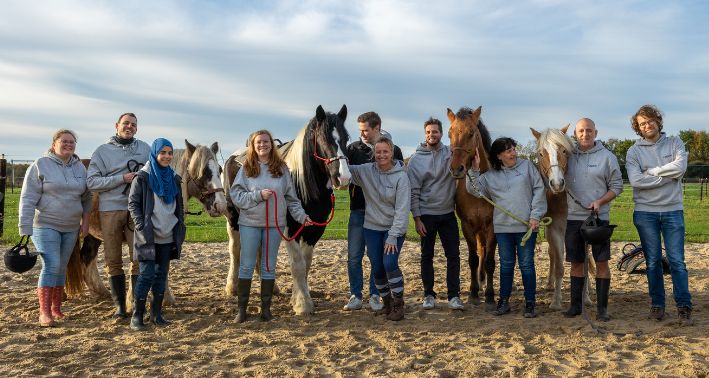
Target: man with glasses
x,y
112,168
655,165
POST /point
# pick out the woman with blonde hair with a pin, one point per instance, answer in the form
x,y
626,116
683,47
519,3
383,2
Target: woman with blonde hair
x,y
54,208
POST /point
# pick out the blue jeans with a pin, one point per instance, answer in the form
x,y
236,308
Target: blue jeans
x,y
509,247
381,263
355,254
671,225
252,238
55,249
153,273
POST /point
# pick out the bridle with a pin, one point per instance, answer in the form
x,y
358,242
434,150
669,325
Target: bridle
x,y
203,193
325,160
468,151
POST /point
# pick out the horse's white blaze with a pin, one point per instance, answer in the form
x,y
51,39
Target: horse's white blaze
x,y
215,182
556,177
345,175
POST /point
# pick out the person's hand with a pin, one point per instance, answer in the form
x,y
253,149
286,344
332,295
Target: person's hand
x,y
128,177
84,229
533,224
389,248
308,221
595,206
266,194
420,227
476,160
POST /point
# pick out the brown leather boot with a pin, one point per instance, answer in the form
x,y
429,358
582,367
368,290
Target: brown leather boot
x,y
386,310
57,297
45,300
397,309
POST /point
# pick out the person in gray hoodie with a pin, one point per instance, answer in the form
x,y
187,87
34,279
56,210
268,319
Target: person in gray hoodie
x,y
387,194
263,179
113,166
656,164
157,209
432,206
593,179
514,184
54,208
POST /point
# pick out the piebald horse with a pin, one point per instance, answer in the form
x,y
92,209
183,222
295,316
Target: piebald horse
x,y
317,164
554,148
200,172
467,135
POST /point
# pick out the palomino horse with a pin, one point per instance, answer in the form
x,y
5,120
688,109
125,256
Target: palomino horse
x,y
200,172
553,150
468,134
317,164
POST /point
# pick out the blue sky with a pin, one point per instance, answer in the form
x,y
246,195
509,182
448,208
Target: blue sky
x,y
217,70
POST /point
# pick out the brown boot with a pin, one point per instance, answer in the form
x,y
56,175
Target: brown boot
x,y
386,310
57,297
45,301
397,309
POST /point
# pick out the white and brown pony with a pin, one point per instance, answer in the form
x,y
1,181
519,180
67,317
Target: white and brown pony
x,y
317,164
554,148
200,172
467,135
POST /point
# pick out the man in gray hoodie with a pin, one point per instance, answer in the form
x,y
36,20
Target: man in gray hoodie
x,y
432,206
656,164
112,168
593,179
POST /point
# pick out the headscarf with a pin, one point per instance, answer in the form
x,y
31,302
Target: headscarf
x,y
161,179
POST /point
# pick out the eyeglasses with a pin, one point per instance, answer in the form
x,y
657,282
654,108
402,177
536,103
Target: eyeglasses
x,y
647,123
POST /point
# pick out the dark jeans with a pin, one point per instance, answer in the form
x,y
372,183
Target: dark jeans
x,y
446,226
153,273
355,254
509,248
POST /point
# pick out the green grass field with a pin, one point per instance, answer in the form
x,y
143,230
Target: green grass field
x,y
203,228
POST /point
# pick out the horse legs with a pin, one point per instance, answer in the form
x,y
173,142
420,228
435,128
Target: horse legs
x,y
590,273
473,262
489,248
234,253
94,282
300,300
555,238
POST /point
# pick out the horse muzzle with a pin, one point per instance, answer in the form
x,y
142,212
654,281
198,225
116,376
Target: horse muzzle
x,y
457,173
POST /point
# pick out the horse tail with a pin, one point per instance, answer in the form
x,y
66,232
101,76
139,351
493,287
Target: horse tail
x,y
75,272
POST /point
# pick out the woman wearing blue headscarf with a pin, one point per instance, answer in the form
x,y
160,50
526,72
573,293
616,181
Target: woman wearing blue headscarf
x,y
156,206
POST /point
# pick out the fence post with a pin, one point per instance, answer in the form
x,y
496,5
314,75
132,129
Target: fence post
x,y
3,173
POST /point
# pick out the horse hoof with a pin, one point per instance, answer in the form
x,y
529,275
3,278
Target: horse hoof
x,y
490,306
474,300
555,306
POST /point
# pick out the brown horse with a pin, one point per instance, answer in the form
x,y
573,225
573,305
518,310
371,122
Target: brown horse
x,y
554,148
200,172
467,135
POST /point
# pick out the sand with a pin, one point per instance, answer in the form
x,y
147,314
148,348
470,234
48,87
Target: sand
x,y
205,341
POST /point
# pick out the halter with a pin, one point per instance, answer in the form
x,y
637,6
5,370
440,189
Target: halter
x,y
327,161
203,193
468,151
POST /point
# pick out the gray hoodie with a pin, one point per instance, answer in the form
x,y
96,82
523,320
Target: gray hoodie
x,y
518,189
245,192
54,195
591,174
655,172
432,186
387,196
108,165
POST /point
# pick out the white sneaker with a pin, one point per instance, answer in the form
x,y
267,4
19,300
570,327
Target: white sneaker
x,y
429,302
375,302
354,304
455,304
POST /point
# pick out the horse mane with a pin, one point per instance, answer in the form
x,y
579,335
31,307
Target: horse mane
x,y
294,156
198,162
554,136
466,112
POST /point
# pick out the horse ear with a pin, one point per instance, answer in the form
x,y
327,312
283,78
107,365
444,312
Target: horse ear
x,y
451,115
536,133
190,147
478,111
214,147
342,114
565,128
320,113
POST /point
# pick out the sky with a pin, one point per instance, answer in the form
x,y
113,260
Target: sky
x,y
216,70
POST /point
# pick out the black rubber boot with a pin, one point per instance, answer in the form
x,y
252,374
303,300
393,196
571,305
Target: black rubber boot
x,y
576,297
503,306
243,289
603,286
156,311
118,292
136,322
266,297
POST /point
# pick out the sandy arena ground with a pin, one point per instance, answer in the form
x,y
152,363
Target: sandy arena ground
x,y
205,341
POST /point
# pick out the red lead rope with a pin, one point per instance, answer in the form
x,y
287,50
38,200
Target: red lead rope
x,y
275,216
